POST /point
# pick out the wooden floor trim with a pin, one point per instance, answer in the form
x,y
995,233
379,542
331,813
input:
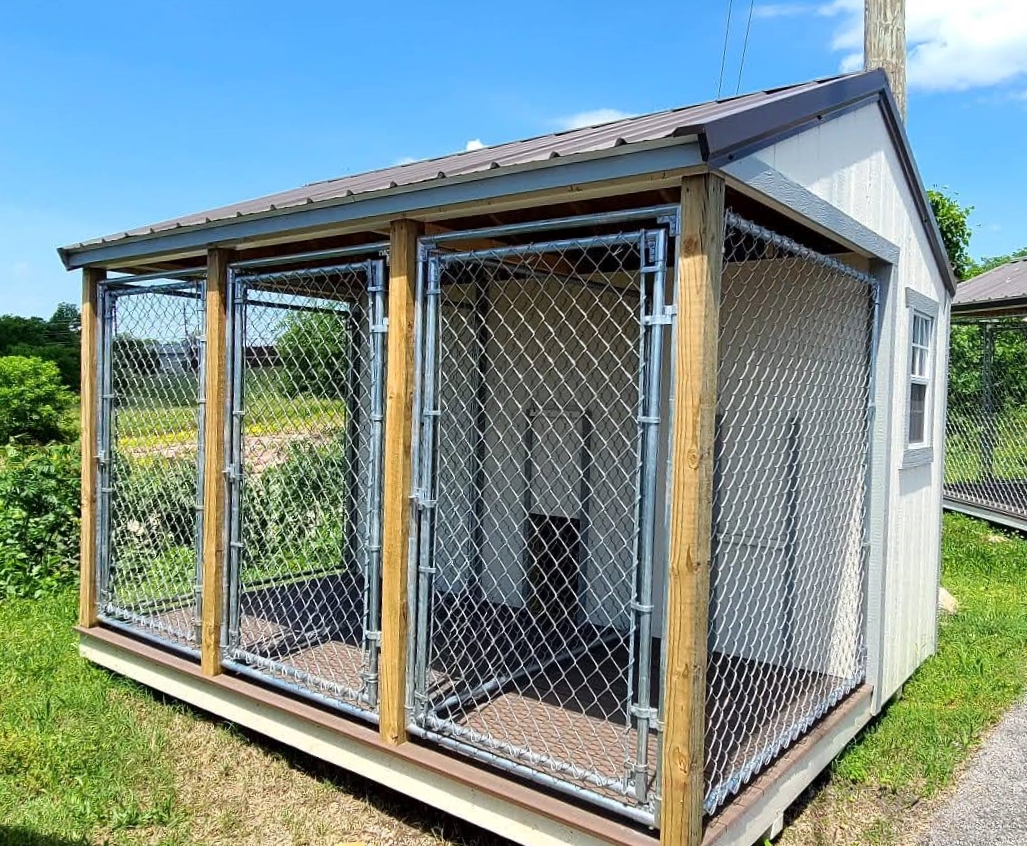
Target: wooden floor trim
x,y
517,811
753,812
480,796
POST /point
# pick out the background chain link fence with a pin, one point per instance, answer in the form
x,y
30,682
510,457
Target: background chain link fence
x,y
791,458
150,454
307,381
538,477
986,426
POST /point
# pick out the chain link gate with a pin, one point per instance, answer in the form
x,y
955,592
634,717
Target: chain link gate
x,y
790,534
986,423
150,457
305,444
538,405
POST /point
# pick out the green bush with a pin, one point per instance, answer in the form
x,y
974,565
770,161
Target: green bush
x,y
33,400
39,519
296,510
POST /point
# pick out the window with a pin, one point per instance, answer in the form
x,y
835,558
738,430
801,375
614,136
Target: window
x,y
920,396
921,329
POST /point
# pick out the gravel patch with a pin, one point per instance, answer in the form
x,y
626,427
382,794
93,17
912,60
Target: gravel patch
x,y
989,804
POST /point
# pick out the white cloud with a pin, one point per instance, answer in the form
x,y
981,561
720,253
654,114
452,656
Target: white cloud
x,y
590,118
405,160
781,10
954,45
473,144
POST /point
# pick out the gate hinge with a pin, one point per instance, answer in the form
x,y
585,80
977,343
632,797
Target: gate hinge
x,y
380,328
649,714
663,319
373,636
420,499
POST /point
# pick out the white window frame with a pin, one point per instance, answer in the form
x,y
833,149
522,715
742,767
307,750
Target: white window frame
x,y
919,305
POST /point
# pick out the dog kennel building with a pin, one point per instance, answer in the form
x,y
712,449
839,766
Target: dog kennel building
x,y
585,487
986,423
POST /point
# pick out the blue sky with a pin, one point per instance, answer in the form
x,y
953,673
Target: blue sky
x,y
115,114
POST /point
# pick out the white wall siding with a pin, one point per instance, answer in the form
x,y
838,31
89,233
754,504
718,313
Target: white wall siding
x,y
851,163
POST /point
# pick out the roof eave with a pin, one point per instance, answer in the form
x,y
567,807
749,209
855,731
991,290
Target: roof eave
x,y
616,163
732,136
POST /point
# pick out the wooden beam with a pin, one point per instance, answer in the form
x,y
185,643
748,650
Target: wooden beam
x,y
87,602
396,492
214,482
697,295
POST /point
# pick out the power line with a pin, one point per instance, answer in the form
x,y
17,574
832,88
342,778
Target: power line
x,y
723,56
745,46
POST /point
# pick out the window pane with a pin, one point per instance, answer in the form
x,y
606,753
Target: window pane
x,y
917,412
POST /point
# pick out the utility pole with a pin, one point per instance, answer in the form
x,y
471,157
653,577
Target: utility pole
x,y
884,44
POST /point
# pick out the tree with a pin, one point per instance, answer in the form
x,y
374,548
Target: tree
x,y
56,340
953,221
991,262
33,400
314,348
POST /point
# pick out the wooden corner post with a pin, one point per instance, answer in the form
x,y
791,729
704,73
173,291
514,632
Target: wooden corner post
x,y
697,294
90,320
396,515
214,483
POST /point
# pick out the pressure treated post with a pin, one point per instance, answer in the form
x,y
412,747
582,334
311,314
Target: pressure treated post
x,y
398,472
697,294
214,482
87,605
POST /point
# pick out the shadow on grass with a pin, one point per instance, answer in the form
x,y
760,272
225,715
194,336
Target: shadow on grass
x,y
418,815
16,836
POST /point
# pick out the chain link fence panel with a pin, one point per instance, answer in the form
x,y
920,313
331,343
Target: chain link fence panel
x,y
307,387
986,424
790,499
538,473
150,453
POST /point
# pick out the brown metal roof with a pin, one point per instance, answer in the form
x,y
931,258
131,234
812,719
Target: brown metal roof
x,y
723,130
592,139
1005,285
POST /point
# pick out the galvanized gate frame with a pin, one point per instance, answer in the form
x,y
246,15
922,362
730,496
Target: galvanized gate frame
x,y
108,293
362,702
655,316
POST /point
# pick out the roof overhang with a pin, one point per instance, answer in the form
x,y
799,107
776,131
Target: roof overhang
x,y
714,142
672,155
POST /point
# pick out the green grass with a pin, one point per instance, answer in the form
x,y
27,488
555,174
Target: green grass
x,y
84,754
978,671
75,759
164,412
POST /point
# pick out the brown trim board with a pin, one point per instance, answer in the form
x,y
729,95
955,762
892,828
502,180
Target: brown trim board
x,y
770,793
430,761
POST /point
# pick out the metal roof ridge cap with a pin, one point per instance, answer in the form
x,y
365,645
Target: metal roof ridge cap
x,y
730,134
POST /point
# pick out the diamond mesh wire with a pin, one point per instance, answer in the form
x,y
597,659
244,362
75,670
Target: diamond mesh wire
x,y
538,409
307,381
986,426
791,455
150,451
